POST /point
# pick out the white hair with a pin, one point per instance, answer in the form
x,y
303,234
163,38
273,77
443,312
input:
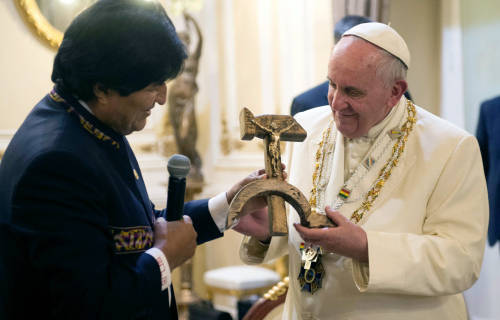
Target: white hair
x,y
390,69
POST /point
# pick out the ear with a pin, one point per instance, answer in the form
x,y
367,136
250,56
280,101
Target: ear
x,y
398,89
101,93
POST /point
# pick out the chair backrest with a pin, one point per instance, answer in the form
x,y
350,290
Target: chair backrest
x,y
272,299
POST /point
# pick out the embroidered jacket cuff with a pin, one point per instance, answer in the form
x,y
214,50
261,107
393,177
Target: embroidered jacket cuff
x,y
166,279
219,209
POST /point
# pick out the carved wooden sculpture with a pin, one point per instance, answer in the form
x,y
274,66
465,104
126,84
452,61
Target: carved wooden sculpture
x,y
181,100
273,129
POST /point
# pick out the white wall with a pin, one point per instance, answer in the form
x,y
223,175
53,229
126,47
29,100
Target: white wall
x,y
418,23
481,47
480,22
26,66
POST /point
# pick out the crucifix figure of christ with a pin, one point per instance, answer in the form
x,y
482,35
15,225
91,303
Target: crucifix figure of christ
x,y
272,141
273,129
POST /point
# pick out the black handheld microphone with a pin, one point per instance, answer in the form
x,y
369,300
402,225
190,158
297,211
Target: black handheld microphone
x,y
178,167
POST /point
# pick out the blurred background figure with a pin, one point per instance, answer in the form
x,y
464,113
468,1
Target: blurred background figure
x,y
488,136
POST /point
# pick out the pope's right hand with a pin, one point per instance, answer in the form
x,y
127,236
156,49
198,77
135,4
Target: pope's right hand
x,y
177,240
255,224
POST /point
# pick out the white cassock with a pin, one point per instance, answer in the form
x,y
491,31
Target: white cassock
x,y
426,230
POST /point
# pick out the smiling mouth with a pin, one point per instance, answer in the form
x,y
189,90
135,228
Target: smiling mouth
x,y
350,115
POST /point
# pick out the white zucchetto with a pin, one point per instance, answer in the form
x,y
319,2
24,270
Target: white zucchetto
x,y
383,37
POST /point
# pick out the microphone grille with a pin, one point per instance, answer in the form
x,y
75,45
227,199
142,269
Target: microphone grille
x,y
178,166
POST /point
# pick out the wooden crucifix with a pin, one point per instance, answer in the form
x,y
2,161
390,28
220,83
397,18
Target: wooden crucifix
x,y
273,129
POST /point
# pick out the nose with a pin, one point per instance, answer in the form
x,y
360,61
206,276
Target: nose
x,y
335,99
161,96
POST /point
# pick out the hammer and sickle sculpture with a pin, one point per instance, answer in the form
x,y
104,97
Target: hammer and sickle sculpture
x,y
272,129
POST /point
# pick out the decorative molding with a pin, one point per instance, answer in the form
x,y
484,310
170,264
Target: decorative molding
x,y
377,10
39,24
277,290
452,73
231,105
176,7
267,76
227,142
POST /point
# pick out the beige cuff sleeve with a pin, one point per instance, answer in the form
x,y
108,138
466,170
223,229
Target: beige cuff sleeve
x,y
252,251
361,275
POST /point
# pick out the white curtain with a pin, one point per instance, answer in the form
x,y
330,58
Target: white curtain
x,y
377,10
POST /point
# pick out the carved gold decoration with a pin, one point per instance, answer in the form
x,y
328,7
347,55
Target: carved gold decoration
x,y
1,154
281,266
227,142
148,147
278,290
181,98
177,7
165,137
39,24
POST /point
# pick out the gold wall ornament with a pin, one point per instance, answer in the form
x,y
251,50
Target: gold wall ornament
x,y
227,142
166,144
177,7
46,32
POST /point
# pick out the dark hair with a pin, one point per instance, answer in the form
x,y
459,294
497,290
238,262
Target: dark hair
x,y
347,23
123,45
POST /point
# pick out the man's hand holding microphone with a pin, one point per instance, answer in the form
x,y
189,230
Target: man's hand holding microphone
x,y
176,236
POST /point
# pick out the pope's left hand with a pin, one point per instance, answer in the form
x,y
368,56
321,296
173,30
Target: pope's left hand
x,y
347,239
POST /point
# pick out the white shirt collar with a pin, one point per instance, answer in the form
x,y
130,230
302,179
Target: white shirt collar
x,y
86,106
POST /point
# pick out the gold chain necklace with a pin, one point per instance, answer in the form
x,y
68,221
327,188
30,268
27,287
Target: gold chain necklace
x,y
385,172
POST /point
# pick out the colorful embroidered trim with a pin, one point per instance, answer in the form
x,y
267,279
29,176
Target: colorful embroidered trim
x,y
132,239
89,127
344,193
56,97
394,134
369,162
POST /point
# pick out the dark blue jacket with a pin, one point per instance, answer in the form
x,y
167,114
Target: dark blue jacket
x,y
314,97
488,136
75,220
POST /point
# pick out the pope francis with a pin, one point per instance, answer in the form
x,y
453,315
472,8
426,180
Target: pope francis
x,y
405,188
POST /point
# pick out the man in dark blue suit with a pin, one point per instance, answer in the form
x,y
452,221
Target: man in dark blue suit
x,y
488,136
317,96
79,237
